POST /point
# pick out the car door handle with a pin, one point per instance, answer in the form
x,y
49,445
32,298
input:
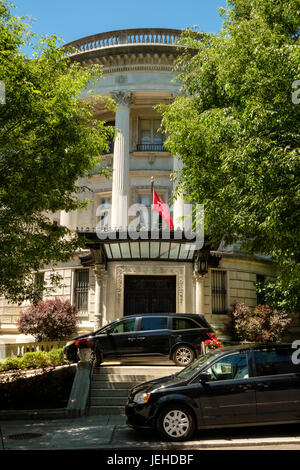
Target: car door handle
x,y
246,387
131,338
141,338
262,386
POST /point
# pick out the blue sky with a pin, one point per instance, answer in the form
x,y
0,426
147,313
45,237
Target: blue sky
x,y
73,19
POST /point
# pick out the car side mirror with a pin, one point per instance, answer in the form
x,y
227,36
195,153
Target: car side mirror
x,y
204,377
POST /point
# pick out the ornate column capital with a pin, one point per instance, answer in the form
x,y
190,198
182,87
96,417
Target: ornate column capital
x,y
122,97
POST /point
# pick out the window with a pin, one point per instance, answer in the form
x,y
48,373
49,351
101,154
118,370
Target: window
x,y
275,362
230,367
149,136
124,326
154,323
81,289
184,324
218,291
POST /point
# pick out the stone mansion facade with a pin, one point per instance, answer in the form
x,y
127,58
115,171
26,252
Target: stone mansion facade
x,y
120,275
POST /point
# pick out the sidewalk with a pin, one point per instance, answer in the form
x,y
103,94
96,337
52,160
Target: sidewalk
x,y
111,432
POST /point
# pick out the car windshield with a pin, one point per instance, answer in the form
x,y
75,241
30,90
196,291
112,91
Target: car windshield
x,y
197,365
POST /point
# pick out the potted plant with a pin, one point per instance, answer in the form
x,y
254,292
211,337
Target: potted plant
x,y
212,343
84,347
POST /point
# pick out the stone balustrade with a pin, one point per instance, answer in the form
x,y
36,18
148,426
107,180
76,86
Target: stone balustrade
x,y
19,349
128,37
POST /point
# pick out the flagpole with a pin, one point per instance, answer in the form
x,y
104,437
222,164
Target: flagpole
x,y
152,200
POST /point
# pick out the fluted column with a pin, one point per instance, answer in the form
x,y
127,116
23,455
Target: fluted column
x,y
199,293
120,183
69,219
100,273
179,208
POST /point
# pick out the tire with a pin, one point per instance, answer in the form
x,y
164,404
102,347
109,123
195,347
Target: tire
x,y
175,423
183,355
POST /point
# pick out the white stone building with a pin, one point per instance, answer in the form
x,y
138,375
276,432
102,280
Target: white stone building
x,y
117,277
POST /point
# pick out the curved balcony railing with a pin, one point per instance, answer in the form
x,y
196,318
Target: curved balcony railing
x,y
150,148
130,37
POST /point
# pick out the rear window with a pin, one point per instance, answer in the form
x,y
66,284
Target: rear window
x,y
275,362
184,324
154,323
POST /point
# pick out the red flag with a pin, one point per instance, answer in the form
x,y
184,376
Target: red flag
x,y
160,207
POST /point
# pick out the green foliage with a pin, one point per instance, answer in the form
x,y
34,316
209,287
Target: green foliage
x,y
35,360
48,140
11,363
237,130
280,293
56,356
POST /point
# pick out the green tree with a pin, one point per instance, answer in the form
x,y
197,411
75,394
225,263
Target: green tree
x,y
48,140
236,129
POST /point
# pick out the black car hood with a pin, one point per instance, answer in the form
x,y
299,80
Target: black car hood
x,y
170,381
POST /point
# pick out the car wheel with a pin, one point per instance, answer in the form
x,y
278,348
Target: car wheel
x,y
175,423
183,355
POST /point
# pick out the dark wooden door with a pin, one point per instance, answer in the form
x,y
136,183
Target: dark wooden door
x,y
149,294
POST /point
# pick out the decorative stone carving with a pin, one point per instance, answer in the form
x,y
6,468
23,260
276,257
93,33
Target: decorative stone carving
x,y
100,271
178,271
123,98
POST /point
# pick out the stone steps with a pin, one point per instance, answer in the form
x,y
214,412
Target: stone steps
x,y
110,385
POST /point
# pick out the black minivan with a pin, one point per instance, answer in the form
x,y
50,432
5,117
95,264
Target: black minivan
x,y
232,386
172,335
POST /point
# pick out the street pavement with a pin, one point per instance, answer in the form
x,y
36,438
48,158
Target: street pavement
x,y
111,432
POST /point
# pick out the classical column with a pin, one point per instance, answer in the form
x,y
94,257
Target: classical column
x,y
85,216
199,293
120,184
69,219
99,273
179,208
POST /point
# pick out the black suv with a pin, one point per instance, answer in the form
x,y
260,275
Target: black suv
x,y
233,386
175,336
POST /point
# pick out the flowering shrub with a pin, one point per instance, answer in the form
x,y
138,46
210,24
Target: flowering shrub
x,y
49,320
212,343
261,325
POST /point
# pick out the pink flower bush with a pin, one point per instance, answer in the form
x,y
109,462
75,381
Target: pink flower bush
x,y
261,325
49,320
